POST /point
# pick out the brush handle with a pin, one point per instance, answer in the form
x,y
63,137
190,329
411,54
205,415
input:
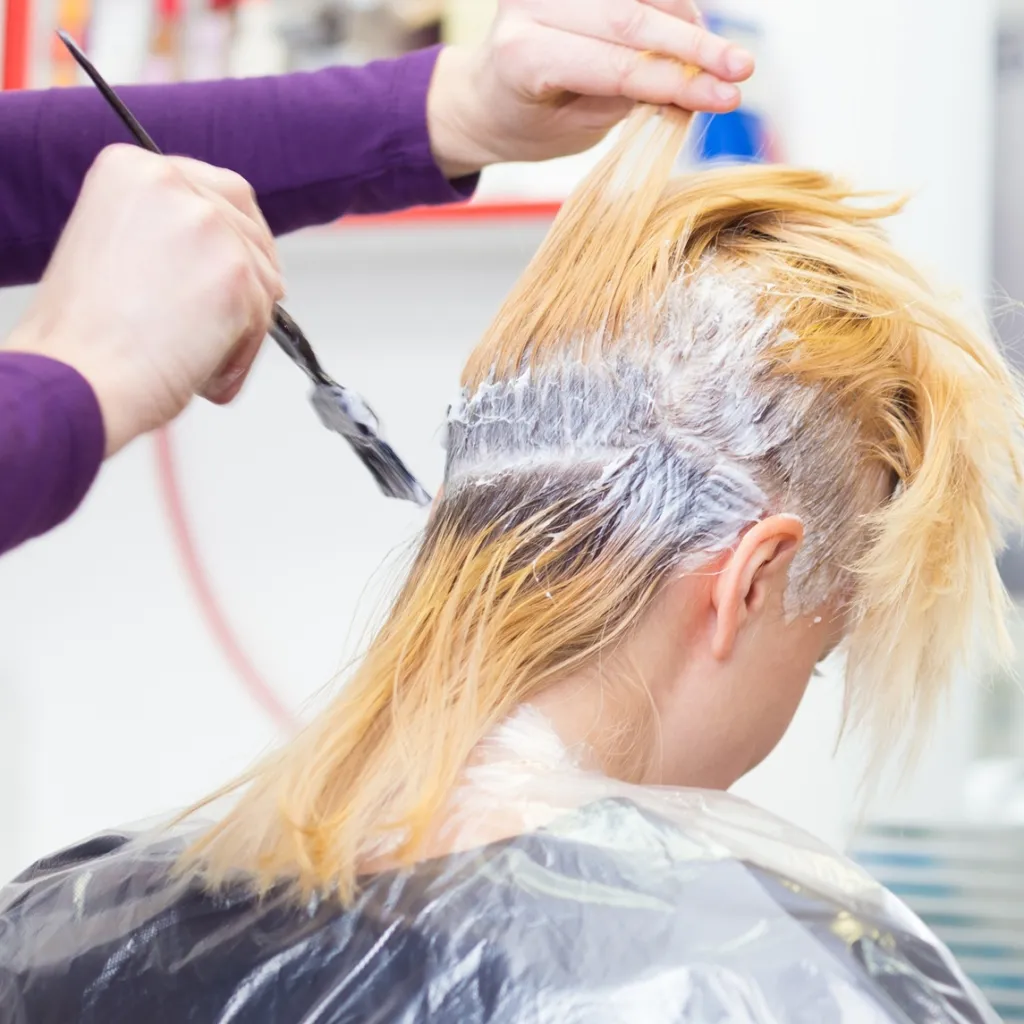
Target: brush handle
x,y
289,337
139,133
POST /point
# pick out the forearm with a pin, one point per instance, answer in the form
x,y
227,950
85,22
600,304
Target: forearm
x,y
51,445
314,147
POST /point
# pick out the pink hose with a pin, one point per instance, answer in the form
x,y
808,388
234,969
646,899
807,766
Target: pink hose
x,y
199,580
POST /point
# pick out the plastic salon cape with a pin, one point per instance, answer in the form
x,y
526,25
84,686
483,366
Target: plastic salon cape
x,y
612,904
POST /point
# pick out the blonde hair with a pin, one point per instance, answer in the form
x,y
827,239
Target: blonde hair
x,y
680,358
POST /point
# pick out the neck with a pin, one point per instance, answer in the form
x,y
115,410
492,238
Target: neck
x,y
646,713
611,711
609,724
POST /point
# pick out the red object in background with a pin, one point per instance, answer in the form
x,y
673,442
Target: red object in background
x,y
487,211
73,16
164,60
16,35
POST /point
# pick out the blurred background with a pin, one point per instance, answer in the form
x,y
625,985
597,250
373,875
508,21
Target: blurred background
x,y
250,551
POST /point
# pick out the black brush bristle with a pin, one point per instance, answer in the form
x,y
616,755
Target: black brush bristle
x,y
391,474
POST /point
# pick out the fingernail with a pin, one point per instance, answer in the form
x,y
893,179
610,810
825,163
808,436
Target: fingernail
x,y
229,378
726,93
739,61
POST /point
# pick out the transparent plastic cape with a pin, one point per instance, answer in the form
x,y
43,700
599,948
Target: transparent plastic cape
x,y
565,897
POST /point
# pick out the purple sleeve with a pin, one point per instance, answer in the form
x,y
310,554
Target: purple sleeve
x,y
51,445
314,147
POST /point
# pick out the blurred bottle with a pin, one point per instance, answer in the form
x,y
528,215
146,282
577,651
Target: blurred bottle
x,y
210,32
421,21
73,18
371,31
119,38
164,59
258,48
747,135
467,21
317,37
378,29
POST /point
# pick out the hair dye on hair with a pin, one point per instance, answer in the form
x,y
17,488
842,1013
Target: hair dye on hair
x,y
681,358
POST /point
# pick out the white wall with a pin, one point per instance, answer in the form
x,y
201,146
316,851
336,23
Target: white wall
x,y
114,704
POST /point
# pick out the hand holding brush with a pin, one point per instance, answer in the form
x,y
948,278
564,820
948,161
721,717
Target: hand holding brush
x,y
339,409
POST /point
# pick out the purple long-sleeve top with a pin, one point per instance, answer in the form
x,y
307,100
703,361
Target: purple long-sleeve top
x,y
313,146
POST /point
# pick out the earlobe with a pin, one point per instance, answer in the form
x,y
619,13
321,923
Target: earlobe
x,y
757,568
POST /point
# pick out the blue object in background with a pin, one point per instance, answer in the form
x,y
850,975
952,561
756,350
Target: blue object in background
x,y
739,137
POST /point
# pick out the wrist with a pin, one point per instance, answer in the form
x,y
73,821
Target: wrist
x,y
119,421
454,116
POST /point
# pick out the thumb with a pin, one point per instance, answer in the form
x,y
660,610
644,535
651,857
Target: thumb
x,y
225,385
592,114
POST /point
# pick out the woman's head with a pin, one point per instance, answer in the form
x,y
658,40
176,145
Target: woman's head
x,y
674,451
718,427
760,352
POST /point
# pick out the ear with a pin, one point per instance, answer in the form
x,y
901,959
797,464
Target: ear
x,y
757,568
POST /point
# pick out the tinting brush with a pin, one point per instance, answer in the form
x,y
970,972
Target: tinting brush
x,y
339,409
344,412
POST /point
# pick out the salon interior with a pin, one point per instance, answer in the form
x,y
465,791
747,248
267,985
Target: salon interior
x,y
222,574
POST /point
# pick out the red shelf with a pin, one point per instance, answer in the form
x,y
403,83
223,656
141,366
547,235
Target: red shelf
x,y
462,213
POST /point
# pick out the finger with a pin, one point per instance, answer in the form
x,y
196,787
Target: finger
x,y
640,26
225,384
260,288
686,9
227,183
228,382
252,232
594,68
259,243
233,189
600,113
269,278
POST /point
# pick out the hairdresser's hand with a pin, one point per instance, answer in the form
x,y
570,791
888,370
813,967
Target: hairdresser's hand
x,y
555,76
161,288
